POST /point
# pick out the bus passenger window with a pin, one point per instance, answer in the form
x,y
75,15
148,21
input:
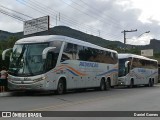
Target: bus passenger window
x,y
64,57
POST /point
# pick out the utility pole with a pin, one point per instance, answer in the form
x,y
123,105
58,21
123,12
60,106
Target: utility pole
x,y
56,20
59,16
124,32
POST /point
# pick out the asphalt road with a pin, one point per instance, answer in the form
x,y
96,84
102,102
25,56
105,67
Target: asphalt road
x,y
119,99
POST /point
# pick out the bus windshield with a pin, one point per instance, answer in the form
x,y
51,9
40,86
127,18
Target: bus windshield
x,y
26,59
122,71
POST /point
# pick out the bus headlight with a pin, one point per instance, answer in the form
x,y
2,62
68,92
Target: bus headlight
x,y
39,79
9,78
43,78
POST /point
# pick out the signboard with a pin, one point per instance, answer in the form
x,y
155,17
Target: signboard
x,y
36,25
148,52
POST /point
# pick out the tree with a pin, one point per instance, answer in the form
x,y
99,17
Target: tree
x,y
4,45
11,41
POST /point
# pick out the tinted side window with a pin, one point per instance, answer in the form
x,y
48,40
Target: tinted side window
x,y
74,51
141,63
96,55
115,56
88,54
69,52
135,62
80,53
53,55
108,57
56,44
151,64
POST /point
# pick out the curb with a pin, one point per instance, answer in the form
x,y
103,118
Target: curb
x,y
3,94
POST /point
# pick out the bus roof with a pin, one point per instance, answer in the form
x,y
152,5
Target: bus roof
x,y
127,55
49,38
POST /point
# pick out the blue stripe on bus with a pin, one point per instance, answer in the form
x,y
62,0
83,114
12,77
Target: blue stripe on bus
x,y
110,71
72,72
153,74
64,63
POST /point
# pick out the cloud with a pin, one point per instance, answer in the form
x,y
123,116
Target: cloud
x,y
106,18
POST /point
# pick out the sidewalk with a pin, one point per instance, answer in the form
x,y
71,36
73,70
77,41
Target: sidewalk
x,y
4,94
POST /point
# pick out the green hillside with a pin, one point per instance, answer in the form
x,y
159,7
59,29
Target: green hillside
x,y
8,39
66,31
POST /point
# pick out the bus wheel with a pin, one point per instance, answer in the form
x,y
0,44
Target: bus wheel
x,y
150,83
102,85
131,84
60,88
108,85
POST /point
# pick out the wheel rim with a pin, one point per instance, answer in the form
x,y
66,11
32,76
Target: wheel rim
x,y
150,83
107,85
60,88
102,86
131,84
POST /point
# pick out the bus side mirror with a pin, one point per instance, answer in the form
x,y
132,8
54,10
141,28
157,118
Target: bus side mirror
x,y
126,64
4,53
45,52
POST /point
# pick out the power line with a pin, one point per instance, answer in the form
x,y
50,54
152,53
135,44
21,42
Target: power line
x,y
94,17
45,12
13,15
70,21
119,26
114,21
15,11
38,8
23,19
38,4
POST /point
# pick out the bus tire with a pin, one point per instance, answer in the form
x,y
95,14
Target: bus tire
x,y
150,83
108,86
60,87
131,83
102,85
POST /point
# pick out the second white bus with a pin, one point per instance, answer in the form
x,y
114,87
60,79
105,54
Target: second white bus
x,y
60,63
137,70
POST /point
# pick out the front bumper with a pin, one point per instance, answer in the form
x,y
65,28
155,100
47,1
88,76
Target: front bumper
x,y
36,86
122,81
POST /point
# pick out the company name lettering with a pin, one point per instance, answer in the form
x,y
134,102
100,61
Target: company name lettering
x,y
88,64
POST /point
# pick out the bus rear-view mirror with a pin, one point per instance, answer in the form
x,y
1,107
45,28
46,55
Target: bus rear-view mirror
x,y
4,53
126,63
46,50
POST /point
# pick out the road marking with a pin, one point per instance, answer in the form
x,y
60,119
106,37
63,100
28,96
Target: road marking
x,y
68,104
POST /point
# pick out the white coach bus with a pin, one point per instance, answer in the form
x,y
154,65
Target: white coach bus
x,y
137,70
60,63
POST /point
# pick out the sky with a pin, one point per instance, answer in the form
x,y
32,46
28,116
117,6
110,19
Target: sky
x,y
103,18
